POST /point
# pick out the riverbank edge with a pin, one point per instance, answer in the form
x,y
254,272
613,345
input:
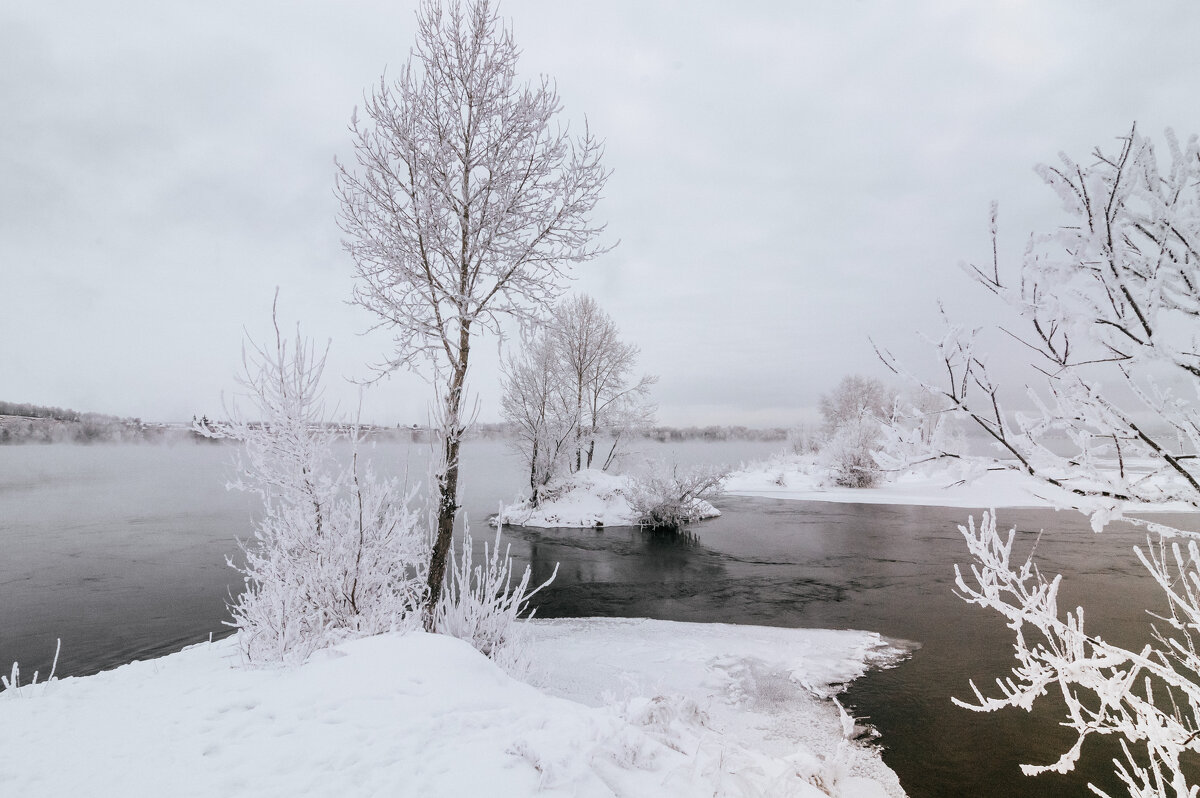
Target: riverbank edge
x,y
607,705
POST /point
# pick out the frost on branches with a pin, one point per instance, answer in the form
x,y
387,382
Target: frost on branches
x,y
571,397
1113,295
468,202
482,606
1149,697
337,552
667,502
869,429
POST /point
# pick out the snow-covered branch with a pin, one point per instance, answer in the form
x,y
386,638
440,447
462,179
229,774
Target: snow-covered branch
x,y
1107,307
1148,697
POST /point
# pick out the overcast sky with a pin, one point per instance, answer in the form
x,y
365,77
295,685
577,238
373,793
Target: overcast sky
x,y
788,179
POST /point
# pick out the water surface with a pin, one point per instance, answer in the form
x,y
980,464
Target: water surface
x,y
120,550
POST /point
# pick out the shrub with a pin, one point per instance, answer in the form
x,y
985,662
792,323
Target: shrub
x,y
668,502
337,553
849,453
480,604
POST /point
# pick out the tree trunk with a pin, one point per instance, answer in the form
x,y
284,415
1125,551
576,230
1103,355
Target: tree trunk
x,y
612,452
452,432
579,422
447,510
533,486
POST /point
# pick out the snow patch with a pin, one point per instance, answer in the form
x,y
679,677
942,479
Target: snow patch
x,y
801,477
588,498
623,707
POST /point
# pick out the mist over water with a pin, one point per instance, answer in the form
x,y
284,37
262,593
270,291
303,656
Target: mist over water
x,y
120,551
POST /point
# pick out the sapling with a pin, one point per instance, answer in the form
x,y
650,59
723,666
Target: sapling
x,y
481,604
337,553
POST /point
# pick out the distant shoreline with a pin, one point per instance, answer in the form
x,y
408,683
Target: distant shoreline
x,y
67,426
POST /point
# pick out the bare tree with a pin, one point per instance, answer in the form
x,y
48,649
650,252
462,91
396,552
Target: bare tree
x,y
538,409
571,387
1113,295
467,204
598,367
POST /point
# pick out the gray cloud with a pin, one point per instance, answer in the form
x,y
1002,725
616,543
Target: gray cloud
x,y
789,179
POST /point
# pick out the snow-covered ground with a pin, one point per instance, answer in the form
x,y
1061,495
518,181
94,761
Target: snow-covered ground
x,y
623,707
587,498
801,477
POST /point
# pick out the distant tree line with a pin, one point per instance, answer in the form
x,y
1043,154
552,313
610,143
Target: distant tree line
x,y
26,410
29,423
715,433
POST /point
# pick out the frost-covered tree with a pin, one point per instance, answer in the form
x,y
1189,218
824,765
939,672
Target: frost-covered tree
x,y
1108,304
538,409
922,428
467,203
336,552
571,388
598,367
853,398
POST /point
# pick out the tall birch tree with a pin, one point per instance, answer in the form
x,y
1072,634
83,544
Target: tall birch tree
x,y
466,203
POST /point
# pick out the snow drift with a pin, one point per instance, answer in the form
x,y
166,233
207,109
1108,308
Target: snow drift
x,y
623,707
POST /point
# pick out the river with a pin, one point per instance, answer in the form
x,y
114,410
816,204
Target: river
x,y
120,551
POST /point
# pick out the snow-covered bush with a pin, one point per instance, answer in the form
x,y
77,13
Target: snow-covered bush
x,y
849,453
852,417
337,553
481,605
803,439
669,501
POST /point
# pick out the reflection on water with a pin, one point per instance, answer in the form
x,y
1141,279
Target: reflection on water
x,y
120,550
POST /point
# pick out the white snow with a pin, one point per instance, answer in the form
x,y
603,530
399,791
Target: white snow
x,y
588,498
624,707
800,477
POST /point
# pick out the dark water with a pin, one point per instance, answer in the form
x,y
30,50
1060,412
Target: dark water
x,y
120,549
887,569
121,552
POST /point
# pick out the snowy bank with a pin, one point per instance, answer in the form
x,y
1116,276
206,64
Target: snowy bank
x,y
587,498
800,477
625,707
